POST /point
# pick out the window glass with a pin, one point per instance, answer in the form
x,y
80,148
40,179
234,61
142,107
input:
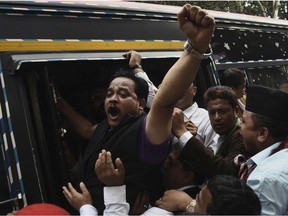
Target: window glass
x,y
271,77
248,45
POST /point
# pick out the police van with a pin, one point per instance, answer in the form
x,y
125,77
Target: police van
x,y
77,45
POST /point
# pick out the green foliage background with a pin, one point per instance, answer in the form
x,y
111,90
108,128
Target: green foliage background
x,y
273,9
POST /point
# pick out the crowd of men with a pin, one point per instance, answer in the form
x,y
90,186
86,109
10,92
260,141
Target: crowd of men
x,y
179,158
180,148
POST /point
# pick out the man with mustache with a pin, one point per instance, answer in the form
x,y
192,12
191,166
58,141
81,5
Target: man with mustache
x,y
140,140
196,118
264,128
222,108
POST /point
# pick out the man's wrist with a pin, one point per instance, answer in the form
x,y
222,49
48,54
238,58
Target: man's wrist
x,y
88,209
200,55
184,138
137,66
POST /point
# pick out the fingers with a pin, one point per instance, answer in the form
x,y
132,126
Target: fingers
x,y
100,162
171,201
197,15
12,213
127,55
197,25
194,14
140,204
178,124
200,16
120,167
75,198
177,117
182,15
83,188
178,113
132,55
71,188
104,161
159,201
108,159
144,198
190,124
86,194
190,14
67,192
102,158
106,172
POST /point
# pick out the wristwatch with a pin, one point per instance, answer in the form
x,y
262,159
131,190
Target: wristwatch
x,y
195,53
135,67
191,206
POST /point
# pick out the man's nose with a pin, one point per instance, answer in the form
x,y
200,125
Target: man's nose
x,y
113,98
217,116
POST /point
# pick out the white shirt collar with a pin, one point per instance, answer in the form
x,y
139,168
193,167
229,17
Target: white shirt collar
x,y
262,155
187,187
190,110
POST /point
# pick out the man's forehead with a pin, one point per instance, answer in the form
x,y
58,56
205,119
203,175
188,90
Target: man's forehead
x,y
247,115
248,119
122,82
219,102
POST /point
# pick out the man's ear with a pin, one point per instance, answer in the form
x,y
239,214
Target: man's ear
x,y
263,134
194,90
237,111
142,104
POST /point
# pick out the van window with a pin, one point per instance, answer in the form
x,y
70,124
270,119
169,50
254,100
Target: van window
x,y
269,76
248,44
54,146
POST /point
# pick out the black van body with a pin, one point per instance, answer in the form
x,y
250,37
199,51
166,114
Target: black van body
x,y
79,45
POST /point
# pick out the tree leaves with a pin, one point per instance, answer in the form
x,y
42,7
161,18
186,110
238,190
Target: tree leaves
x,y
274,9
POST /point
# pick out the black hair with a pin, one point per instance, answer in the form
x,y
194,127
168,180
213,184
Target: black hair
x,y
232,77
222,92
141,86
199,178
231,196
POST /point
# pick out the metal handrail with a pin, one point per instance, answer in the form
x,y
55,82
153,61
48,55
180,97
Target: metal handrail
x,y
15,200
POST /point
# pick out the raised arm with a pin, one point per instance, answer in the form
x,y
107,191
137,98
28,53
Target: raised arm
x,y
198,27
135,66
82,126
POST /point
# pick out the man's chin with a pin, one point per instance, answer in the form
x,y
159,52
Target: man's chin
x,y
113,123
221,130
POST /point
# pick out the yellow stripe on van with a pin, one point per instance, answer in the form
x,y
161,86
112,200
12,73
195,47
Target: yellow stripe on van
x,y
75,45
